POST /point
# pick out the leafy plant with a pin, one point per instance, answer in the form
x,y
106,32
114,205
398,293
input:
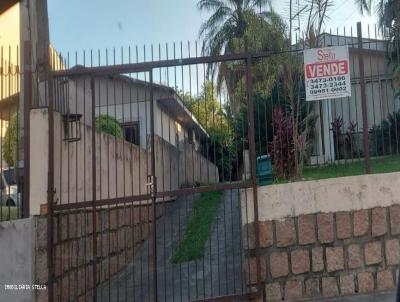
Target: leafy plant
x,y
10,141
345,143
213,117
109,125
282,146
385,138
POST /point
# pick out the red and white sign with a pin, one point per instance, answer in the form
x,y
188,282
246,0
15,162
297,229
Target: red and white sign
x,y
327,73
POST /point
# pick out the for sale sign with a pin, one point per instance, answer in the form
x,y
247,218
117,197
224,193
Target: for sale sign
x,y
327,73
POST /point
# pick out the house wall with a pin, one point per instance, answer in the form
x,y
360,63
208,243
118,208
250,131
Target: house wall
x,y
380,94
9,51
325,238
124,101
17,259
10,32
380,100
121,167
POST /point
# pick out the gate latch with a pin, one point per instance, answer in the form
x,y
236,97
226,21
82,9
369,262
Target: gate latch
x,y
151,184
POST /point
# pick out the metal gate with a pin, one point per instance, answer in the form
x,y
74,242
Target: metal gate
x,y
144,204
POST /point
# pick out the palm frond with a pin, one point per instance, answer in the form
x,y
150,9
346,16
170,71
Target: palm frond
x,y
209,5
215,21
364,6
260,3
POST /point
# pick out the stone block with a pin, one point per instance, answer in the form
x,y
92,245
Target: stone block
x,y
266,234
385,280
279,264
273,292
317,259
293,290
334,258
373,252
392,251
329,287
300,261
325,227
360,223
394,213
365,282
343,225
312,288
306,229
354,256
285,233
379,222
347,286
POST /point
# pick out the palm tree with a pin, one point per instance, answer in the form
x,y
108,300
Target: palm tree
x,y
232,24
388,11
229,21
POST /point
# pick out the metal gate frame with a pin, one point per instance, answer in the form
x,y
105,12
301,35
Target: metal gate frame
x,y
152,181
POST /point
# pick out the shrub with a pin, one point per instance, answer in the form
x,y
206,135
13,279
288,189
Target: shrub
x,y
10,141
385,138
109,125
282,146
346,143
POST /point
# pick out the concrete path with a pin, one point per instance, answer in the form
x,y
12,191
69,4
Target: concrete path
x,y
218,273
380,297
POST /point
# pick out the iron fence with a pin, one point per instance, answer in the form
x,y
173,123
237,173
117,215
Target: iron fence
x,y
11,186
139,140
143,162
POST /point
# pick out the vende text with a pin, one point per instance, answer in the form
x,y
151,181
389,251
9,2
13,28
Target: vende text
x,y
327,69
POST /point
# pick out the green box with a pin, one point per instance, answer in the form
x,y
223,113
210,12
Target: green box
x,y
264,170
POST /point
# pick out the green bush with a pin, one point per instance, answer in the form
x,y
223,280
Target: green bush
x,y
385,138
10,141
109,125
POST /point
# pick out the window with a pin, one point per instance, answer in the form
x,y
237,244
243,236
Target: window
x,y
131,132
190,136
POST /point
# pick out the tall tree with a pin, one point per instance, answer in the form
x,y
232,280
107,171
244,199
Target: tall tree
x,y
228,21
236,26
388,13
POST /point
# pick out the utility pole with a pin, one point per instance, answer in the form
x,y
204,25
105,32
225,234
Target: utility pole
x,y
290,24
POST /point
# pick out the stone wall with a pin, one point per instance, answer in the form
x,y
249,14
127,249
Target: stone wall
x,y
326,254
120,232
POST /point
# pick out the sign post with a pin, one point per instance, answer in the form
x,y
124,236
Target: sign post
x,y
327,73
327,77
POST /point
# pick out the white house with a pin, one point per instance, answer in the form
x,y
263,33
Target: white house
x,y
128,101
380,92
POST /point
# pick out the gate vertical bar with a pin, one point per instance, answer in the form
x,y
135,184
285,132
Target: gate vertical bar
x,y
94,224
252,147
363,100
27,104
50,185
153,185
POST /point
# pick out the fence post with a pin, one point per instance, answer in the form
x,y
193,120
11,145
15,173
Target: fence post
x,y
27,93
253,165
363,100
50,184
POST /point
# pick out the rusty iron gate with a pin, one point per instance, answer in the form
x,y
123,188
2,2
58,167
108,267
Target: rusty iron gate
x,y
143,204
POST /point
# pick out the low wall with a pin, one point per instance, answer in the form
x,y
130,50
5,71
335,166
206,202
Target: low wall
x,y
325,238
17,260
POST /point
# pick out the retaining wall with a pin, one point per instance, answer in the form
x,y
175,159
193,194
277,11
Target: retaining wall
x,y
120,232
336,246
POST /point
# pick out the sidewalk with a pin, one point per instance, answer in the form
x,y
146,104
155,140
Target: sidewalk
x,y
379,297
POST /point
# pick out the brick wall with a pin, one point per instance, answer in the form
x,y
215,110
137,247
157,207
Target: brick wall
x,y
120,231
326,254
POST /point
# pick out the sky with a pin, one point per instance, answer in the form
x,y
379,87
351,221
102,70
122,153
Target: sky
x,y
77,25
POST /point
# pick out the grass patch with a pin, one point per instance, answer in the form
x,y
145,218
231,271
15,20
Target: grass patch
x,y
8,213
382,164
198,228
